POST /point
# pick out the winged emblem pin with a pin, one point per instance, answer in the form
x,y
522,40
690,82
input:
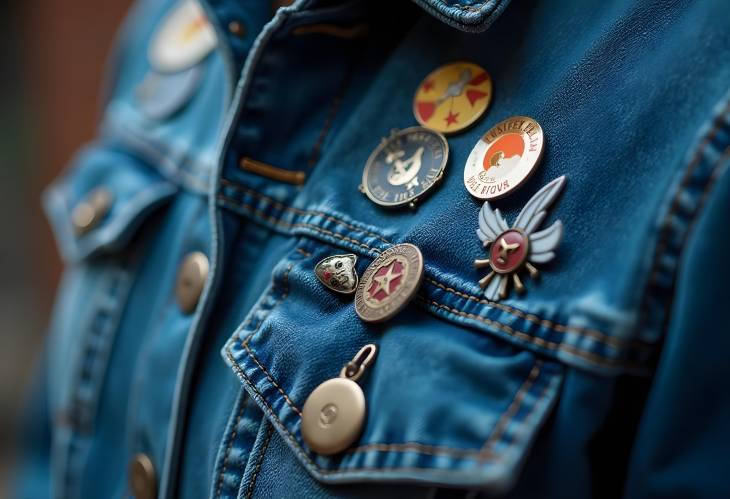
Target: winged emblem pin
x,y
520,246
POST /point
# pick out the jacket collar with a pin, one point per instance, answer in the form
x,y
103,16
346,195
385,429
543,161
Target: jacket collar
x,y
466,15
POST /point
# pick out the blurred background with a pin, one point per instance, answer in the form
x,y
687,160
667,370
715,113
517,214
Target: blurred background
x,y
52,56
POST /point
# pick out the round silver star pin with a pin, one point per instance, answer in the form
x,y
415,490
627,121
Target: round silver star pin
x,y
389,283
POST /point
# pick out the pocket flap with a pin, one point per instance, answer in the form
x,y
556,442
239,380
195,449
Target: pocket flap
x,y
445,404
99,201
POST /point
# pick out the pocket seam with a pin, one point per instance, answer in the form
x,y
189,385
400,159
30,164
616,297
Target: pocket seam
x,y
531,339
483,455
615,342
324,471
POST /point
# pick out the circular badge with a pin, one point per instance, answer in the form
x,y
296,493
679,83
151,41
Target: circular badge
x,y
389,283
183,39
503,158
160,96
333,416
453,97
404,166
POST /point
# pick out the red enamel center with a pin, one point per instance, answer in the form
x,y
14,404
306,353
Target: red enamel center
x,y
386,280
508,251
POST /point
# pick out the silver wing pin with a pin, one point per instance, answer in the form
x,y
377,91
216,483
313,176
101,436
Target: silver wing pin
x,y
522,245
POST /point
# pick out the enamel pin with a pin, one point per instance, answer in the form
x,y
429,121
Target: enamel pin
x,y
389,283
183,39
504,158
522,245
453,97
405,166
161,95
338,273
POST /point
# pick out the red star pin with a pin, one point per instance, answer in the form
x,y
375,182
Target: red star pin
x,y
451,118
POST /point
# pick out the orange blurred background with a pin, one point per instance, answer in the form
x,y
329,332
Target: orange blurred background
x,y
52,55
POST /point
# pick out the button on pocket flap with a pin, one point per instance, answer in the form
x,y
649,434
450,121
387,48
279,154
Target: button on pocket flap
x,y
444,404
100,200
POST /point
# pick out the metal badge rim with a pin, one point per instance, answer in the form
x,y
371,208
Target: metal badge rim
x,y
417,278
529,174
477,117
396,133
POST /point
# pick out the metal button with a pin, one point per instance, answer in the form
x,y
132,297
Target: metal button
x,y
453,97
504,158
389,283
191,280
142,477
333,416
237,28
91,210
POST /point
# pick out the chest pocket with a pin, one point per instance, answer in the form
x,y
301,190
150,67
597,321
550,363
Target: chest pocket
x,y
444,405
96,209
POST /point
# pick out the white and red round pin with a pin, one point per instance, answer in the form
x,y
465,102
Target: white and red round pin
x,y
184,38
176,55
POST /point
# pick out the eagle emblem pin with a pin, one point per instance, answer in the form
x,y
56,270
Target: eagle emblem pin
x,y
521,246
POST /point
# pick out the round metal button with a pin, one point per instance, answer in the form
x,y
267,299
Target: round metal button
x,y
89,212
389,283
333,416
142,479
504,158
161,95
191,280
453,97
405,166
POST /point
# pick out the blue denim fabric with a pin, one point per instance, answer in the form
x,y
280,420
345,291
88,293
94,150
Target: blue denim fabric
x,y
605,379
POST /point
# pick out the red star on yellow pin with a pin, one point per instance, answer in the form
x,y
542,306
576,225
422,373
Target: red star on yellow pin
x,y
453,97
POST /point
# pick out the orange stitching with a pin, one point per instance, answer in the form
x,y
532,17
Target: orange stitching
x,y
526,337
706,191
539,321
539,341
674,206
459,454
305,253
233,435
597,335
271,378
245,341
485,453
277,221
544,322
534,407
430,450
282,207
293,439
259,462
513,408
244,344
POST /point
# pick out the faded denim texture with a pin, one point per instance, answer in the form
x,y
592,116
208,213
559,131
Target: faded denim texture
x,y
606,379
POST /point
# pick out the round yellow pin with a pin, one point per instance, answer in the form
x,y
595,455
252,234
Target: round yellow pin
x,y
453,97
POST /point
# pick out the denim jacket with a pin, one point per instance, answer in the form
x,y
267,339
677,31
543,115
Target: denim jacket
x,y
605,379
